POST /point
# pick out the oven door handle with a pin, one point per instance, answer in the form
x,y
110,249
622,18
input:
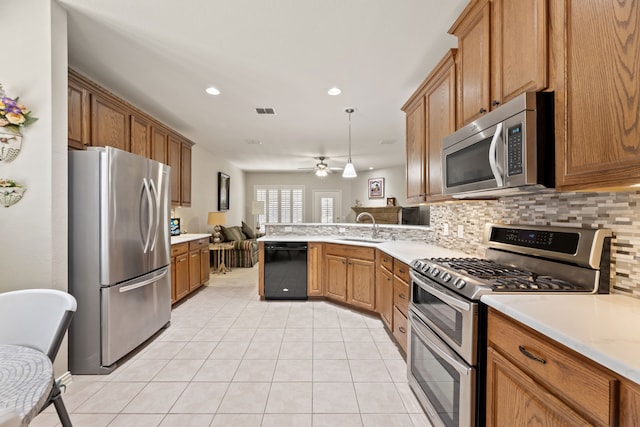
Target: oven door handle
x,y
425,333
440,295
495,169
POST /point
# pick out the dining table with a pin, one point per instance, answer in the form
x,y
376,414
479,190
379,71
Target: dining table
x,y
26,380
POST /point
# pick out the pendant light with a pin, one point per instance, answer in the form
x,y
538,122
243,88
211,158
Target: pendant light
x,y
349,170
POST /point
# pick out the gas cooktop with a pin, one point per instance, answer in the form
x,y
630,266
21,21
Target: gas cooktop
x,y
526,259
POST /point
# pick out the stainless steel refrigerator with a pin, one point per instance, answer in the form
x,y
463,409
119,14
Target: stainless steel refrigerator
x,y
119,255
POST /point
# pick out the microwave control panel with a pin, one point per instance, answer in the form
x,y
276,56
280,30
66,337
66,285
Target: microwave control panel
x,y
514,150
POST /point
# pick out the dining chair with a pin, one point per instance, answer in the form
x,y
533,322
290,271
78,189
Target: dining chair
x,y
39,319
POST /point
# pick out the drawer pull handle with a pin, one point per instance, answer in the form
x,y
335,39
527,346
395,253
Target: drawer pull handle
x,y
402,296
530,355
403,330
401,270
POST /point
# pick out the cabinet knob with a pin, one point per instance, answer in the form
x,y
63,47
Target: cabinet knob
x,y
483,110
403,330
401,270
495,103
344,262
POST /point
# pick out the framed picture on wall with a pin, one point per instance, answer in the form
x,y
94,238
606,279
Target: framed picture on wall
x,y
391,201
376,188
223,191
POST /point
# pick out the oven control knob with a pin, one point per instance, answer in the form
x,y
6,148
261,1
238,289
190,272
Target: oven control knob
x,y
446,277
426,268
435,272
459,283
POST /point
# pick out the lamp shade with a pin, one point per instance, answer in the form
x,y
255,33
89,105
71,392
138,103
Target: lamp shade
x,y
349,171
257,207
216,218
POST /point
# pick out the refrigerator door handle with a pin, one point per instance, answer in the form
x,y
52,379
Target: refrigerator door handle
x,y
144,282
145,183
156,213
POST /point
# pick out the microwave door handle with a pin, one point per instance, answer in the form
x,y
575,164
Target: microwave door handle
x,y
492,156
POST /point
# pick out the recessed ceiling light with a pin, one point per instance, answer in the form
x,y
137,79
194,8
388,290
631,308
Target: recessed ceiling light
x,y
212,91
334,91
370,168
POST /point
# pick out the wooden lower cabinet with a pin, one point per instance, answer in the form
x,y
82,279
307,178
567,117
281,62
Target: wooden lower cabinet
x,y
189,267
351,274
536,381
314,270
179,271
629,404
384,288
400,328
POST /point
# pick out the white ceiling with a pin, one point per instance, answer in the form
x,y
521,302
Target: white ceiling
x,y
160,55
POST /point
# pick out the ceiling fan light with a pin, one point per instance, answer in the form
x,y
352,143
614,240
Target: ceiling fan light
x,y
349,171
321,172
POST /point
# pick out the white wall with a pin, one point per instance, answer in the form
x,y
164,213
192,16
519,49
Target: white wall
x,y
34,231
205,166
352,188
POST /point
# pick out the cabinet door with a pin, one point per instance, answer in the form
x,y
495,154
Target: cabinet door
x,y
78,116
597,89
140,136
173,280
473,63
629,404
361,283
314,270
519,53
415,152
185,175
159,145
194,270
440,121
205,267
512,395
336,267
384,296
109,123
174,152
182,276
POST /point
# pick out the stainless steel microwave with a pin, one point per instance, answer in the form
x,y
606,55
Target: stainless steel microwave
x,y
507,151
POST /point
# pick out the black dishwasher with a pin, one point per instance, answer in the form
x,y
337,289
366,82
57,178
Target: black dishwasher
x,y
285,270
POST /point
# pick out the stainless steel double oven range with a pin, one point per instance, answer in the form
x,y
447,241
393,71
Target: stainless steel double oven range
x,y
446,355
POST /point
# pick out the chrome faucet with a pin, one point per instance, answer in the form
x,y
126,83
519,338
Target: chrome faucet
x,y
374,230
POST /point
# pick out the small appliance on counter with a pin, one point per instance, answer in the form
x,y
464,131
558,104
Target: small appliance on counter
x,y
447,336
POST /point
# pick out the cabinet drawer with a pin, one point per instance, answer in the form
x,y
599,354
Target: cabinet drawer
x,y
401,295
400,328
571,376
199,243
349,251
401,270
179,248
384,260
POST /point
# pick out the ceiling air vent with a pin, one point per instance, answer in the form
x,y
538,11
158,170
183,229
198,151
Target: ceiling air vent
x,y
266,111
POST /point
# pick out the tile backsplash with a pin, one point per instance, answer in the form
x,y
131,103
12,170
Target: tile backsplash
x,y
616,211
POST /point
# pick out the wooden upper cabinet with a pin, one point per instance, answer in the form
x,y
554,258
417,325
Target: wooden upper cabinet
x,y
78,115
159,141
596,71
140,136
185,171
175,150
109,123
415,151
519,48
440,120
502,52
431,115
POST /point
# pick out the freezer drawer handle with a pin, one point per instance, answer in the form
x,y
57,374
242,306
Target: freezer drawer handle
x,y
143,283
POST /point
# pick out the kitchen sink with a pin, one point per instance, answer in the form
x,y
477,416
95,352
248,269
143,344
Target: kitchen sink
x,y
360,239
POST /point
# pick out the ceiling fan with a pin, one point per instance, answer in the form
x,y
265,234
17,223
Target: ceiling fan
x,y
322,169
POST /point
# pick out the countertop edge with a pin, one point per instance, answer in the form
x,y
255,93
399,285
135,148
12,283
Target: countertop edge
x,y
599,346
187,238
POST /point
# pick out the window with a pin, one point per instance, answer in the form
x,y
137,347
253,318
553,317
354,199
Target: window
x,y
326,210
283,204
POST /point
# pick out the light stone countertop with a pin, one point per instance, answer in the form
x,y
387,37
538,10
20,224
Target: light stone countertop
x,y
604,328
404,250
187,238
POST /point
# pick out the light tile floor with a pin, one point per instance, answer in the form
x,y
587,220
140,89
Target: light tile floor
x,y
229,359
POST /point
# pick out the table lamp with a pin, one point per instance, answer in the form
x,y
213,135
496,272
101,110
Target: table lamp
x,y
216,219
257,208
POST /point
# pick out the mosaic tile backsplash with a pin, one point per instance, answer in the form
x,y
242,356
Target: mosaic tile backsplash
x,y
618,212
